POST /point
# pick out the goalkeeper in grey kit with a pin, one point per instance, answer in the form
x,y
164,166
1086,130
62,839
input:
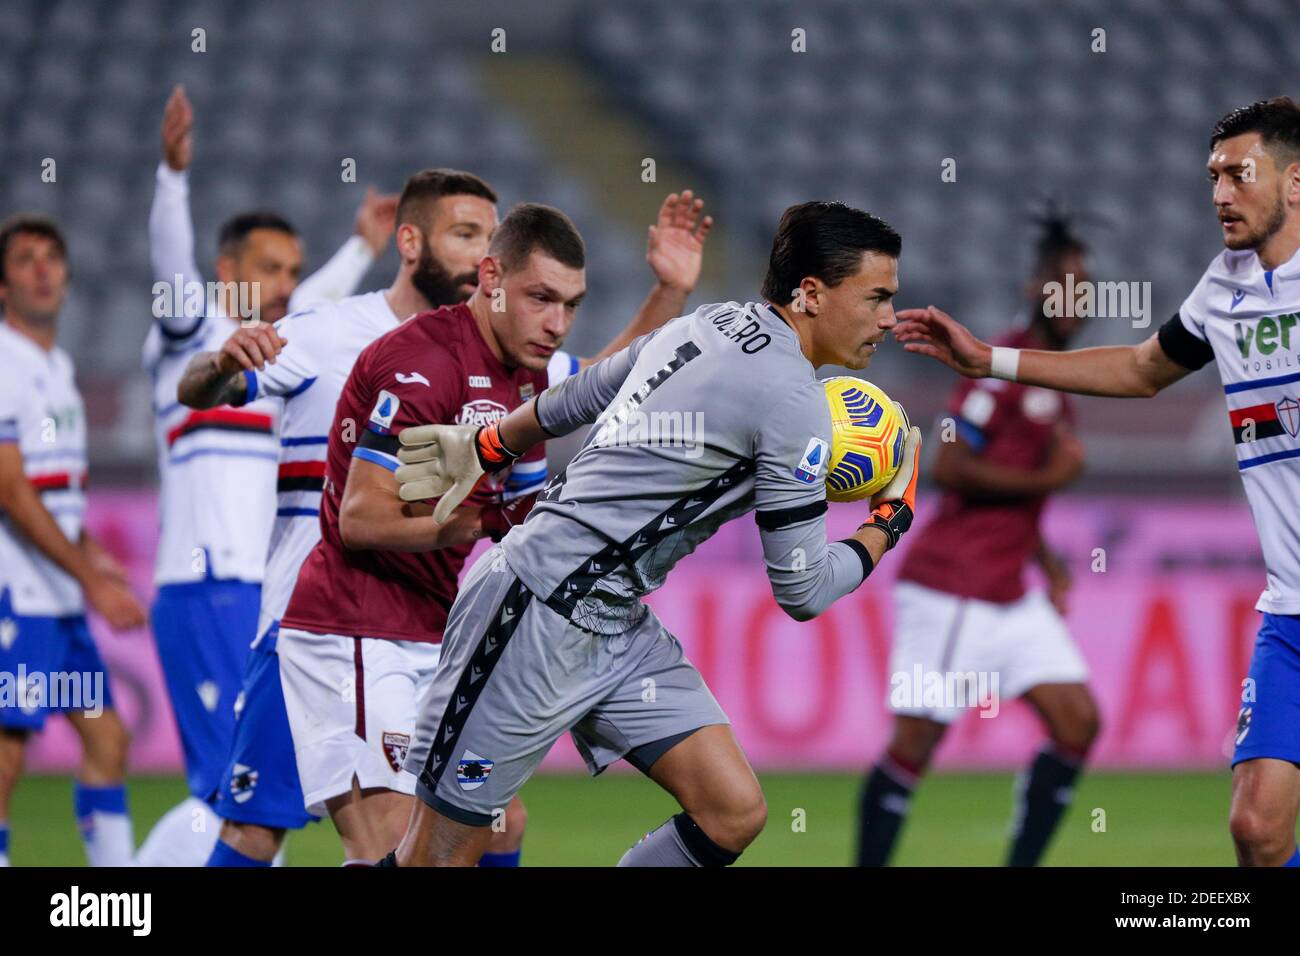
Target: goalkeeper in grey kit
x,y
549,633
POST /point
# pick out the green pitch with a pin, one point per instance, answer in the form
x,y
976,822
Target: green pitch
x,y
1175,819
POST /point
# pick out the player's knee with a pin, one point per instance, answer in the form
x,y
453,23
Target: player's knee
x,y
11,768
516,817
106,749
257,843
756,818
741,821
1074,723
1080,730
914,743
913,754
1257,834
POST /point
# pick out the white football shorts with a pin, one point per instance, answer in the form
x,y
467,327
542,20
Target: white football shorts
x,y
952,654
352,705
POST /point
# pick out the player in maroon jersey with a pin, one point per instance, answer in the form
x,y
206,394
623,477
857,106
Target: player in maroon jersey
x,y
369,605
966,625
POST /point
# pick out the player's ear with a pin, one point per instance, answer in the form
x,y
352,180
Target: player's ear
x,y
409,241
225,268
809,295
1293,183
489,273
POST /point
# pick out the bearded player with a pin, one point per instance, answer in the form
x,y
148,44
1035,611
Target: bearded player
x,y
549,633
218,466
1242,314
962,606
445,219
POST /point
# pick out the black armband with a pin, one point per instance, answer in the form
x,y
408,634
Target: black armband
x,y
1182,346
781,517
388,444
863,554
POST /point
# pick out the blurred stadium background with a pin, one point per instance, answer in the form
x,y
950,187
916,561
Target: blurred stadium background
x,y
711,90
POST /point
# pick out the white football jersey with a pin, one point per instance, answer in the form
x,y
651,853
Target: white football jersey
x,y
216,497
309,374
217,466
42,412
1250,317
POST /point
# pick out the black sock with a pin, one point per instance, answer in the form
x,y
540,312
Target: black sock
x,y
1042,794
705,851
679,842
390,860
882,810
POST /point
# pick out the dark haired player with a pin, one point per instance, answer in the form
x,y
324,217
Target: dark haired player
x,y
51,569
372,597
217,466
445,219
962,606
549,633
1243,315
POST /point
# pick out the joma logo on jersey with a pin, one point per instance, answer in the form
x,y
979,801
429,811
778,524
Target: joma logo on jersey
x,y
1265,335
484,411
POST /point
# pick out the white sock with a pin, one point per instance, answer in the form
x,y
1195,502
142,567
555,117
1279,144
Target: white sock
x,y
184,836
107,838
278,859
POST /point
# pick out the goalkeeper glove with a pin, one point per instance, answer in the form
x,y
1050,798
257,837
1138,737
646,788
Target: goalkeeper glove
x,y
893,507
446,461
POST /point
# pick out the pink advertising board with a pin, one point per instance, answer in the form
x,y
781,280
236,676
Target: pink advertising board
x,y
1162,608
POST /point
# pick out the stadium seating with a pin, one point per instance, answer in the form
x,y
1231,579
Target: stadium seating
x,y
885,92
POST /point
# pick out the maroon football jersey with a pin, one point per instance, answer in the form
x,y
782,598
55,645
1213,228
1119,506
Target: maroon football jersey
x,y
978,548
435,368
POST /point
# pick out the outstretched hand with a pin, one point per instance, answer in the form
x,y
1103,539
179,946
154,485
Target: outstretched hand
x,y
935,333
178,130
376,219
675,250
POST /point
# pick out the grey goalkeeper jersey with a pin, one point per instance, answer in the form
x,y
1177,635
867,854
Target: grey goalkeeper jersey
x,y
714,415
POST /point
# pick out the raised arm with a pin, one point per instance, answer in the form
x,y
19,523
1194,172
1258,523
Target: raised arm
x,y
171,229
675,253
1120,371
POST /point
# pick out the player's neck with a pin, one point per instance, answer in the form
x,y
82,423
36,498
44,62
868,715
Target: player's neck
x,y
478,307
405,299
1281,246
802,330
42,333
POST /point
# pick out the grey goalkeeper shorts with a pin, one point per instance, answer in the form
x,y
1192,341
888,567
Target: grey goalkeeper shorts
x,y
515,675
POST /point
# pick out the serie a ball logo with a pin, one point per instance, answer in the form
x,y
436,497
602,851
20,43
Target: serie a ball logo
x,y
867,434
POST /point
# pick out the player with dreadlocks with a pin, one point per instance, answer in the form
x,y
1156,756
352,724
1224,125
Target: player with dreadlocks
x,y
964,615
